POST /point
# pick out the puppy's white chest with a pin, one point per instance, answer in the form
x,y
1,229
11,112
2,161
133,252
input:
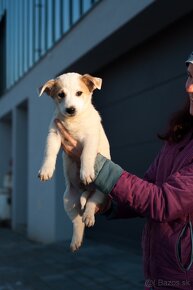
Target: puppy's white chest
x,y
78,132
80,128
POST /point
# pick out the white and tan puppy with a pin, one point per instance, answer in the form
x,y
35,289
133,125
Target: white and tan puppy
x,y
72,95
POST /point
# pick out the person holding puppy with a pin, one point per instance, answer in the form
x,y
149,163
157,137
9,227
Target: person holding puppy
x,y
164,196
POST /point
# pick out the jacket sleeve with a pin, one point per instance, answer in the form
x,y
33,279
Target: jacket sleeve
x,y
168,202
112,173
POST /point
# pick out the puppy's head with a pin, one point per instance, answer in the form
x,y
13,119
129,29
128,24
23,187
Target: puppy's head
x,y
71,92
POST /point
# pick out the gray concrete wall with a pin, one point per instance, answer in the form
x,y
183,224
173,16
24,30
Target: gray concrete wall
x,y
141,90
41,201
20,162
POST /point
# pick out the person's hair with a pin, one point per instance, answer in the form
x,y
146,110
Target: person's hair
x,y
179,125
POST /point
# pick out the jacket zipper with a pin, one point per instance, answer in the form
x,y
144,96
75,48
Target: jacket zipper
x,y
178,248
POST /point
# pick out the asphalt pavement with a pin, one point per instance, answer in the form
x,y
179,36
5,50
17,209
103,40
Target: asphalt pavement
x,y
29,265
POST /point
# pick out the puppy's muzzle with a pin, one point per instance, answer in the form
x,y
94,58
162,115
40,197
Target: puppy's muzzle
x,y
71,111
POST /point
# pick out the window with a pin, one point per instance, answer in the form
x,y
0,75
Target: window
x,y
32,27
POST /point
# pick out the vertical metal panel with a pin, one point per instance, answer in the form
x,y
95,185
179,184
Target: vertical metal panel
x,y
57,19
25,36
20,32
37,32
11,32
8,48
46,24
50,23
16,38
27,19
53,21
43,27
3,54
61,17
75,11
31,32
66,15
1,9
86,5
39,28
23,40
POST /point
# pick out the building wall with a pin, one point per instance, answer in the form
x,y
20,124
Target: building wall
x,y
141,90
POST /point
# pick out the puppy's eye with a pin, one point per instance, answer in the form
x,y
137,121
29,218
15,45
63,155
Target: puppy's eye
x,y
78,94
61,95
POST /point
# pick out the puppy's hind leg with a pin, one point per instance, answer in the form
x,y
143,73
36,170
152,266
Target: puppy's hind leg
x,y
72,208
78,233
83,199
89,214
88,217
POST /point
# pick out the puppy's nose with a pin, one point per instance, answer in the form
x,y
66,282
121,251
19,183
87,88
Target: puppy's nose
x,y
70,110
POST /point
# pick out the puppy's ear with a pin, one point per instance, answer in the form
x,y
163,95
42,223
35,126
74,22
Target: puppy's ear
x,y
47,88
92,82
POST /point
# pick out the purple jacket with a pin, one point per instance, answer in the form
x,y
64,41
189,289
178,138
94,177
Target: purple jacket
x,y
165,198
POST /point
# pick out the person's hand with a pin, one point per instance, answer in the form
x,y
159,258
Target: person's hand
x,y
69,144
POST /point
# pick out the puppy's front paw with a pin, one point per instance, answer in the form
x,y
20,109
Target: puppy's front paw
x,y
45,173
87,175
88,218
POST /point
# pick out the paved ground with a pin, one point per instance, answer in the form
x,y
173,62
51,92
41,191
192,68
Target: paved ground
x,y
26,265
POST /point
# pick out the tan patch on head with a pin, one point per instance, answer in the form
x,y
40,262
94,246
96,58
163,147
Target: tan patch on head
x,y
91,82
51,87
84,88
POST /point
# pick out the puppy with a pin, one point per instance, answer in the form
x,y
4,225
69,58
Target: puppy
x,y
72,94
